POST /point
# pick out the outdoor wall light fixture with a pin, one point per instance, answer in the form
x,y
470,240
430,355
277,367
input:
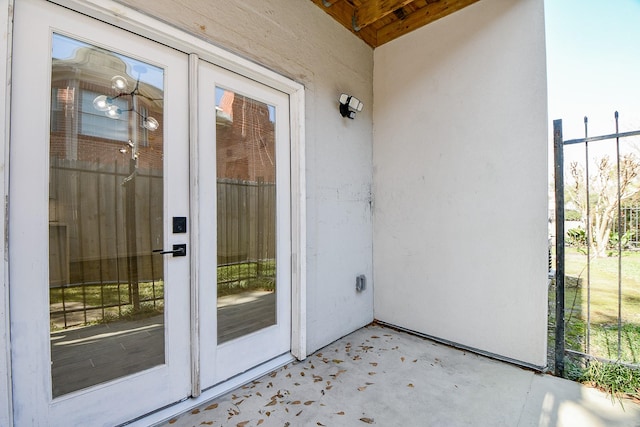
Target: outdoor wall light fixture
x,y
350,105
105,103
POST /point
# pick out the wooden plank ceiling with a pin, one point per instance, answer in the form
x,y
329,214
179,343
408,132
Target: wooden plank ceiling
x,y
380,21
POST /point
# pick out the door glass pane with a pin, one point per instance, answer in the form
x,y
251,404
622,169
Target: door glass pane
x,y
106,288
246,200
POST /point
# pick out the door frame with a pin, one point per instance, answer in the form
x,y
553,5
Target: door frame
x,y
6,405
128,19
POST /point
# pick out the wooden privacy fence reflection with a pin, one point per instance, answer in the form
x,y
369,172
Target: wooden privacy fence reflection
x,y
246,234
98,232
104,222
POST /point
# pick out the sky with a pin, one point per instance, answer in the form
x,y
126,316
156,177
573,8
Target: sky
x,y
593,70
593,64
64,48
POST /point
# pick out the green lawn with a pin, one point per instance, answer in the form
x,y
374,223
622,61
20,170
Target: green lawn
x,y
603,312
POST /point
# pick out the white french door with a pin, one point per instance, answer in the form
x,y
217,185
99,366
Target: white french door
x,y
244,149
99,169
143,267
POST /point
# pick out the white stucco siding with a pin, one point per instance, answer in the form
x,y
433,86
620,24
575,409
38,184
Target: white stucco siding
x,y
306,45
460,180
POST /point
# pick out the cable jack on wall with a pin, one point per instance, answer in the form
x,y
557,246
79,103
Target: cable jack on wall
x,y
350,105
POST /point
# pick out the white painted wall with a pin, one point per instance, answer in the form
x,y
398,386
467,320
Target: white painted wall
x,y
304,44
460,180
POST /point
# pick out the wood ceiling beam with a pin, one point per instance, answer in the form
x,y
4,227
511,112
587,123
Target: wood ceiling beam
x,y
421,17
342,12
372,10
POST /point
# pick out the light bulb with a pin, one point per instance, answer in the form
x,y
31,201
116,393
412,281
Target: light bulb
x,y
113,112
119,83
151,123
102,103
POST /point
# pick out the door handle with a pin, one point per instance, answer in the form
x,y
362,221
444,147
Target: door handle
x,y
178,250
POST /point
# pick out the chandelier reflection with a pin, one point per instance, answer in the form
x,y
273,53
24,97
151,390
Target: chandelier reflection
x,y
111,110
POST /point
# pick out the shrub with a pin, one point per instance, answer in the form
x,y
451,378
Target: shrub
x,y
576,237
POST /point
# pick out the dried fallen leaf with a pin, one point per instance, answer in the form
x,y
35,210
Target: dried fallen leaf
x,y
337,361
212,406
402,358
309,402
242,424
415,360
258,394
410,385
337,374
373,363
296,402
206,423
363,388
372,373
273,374
329,387
340,413
319,423
273,402
374,336
260,421
173,421
301,374
299,413
367,420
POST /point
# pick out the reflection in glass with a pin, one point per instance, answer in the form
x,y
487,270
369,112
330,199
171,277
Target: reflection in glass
x,y
246,199
106,290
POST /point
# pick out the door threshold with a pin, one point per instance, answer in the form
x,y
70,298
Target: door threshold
x,y
163,415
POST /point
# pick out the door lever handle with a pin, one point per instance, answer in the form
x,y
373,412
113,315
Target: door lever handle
x,y
178,250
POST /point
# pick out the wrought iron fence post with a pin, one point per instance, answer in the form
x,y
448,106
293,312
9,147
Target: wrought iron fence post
x,y
559,200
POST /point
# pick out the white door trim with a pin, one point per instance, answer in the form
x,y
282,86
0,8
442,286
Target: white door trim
x,y
194,228
6,408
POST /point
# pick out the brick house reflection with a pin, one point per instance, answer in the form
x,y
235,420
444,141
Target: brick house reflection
x,y
246,171
245,138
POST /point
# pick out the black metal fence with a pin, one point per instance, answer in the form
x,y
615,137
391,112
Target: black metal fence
x,y
629,226
575,319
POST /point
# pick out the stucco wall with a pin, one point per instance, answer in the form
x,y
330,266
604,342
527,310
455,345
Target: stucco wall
x,y
460,180
303,43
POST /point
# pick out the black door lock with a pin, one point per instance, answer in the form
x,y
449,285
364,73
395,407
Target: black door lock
x,y
178,250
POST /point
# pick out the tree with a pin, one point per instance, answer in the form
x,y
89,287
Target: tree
x,y
603,189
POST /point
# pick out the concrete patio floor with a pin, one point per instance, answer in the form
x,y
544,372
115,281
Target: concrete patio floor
x,y
380,376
